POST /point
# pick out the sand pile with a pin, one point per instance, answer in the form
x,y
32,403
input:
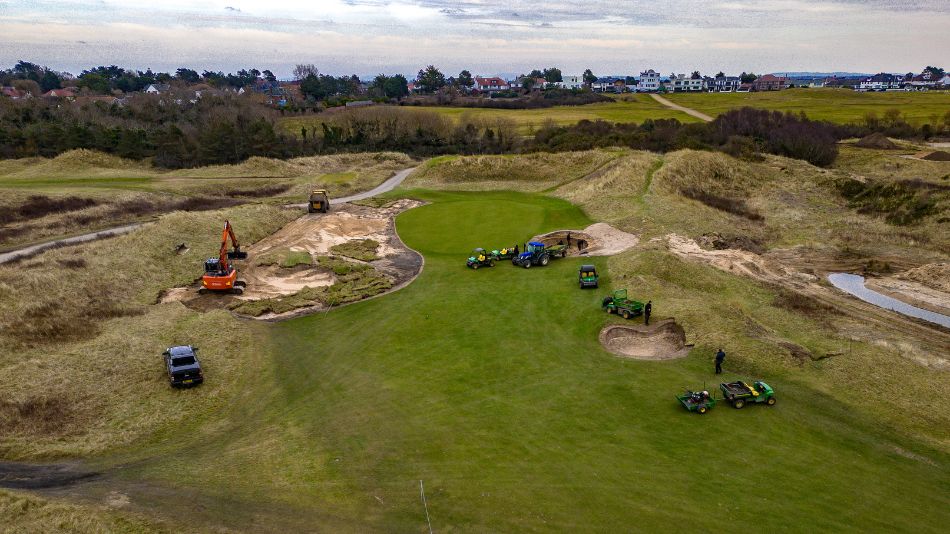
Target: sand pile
x,y
876,140
936,155
664,340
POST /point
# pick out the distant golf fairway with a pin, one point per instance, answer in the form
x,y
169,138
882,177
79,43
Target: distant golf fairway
x,y
490,386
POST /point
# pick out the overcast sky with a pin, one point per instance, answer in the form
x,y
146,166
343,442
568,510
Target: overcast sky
x,y
484,36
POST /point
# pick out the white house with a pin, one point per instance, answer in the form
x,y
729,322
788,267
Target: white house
x,y
724,84
491,85
157,88
881,82
680,83
649,81
571,82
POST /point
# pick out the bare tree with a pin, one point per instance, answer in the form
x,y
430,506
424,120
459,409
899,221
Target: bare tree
x,y
301,71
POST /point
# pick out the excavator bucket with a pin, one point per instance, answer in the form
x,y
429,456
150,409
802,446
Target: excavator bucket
x,y
237,254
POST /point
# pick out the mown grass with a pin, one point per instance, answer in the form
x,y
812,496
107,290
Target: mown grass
x,y
629,108
491,388
836,105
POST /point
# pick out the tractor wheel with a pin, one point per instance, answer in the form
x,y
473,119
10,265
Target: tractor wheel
x,y
527,264
738,404
564,253
701,410
771,401
491,263
626,314
475,266
610,310
544,260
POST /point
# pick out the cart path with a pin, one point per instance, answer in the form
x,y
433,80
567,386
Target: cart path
x,y
385,187
689,111
32,250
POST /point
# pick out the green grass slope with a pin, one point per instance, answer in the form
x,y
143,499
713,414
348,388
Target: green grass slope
x,y
491,387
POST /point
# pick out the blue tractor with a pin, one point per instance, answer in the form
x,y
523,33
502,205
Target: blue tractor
x,y
539,254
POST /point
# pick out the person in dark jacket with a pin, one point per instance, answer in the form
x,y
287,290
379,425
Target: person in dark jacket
x,y
647,310
720,356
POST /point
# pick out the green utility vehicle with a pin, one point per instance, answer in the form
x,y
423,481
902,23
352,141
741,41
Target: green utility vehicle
x,y
539,254
697,401
505,253
621,305
739,393
480,258
587,276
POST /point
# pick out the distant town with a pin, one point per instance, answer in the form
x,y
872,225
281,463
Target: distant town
x,y
115,85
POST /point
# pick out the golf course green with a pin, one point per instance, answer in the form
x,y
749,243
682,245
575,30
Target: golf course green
x,y
491,388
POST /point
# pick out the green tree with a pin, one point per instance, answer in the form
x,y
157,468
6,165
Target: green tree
x,y
396,86
696,75
747,77
465,79
720,74
50,80
589,77
935,72
187,75
552,75
430,79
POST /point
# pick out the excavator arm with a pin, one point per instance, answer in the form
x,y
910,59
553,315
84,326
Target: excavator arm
x,y
223,254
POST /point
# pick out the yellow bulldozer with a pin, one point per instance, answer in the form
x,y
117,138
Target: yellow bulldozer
x,y
319,201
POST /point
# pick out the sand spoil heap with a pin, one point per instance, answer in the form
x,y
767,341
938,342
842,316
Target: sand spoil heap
x,y
599,239
876,140
663,340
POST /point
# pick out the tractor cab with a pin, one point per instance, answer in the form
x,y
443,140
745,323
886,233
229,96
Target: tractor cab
x,y
533,250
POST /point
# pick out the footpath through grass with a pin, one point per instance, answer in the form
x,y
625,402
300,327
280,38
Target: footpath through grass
x,y
491,387
835,105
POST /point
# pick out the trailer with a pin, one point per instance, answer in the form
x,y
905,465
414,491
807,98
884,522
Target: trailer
x,y
697,401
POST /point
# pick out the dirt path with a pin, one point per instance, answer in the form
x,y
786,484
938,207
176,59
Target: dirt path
x,y
677,107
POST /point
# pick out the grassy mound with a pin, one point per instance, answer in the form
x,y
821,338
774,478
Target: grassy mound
x,y
358,249
81,162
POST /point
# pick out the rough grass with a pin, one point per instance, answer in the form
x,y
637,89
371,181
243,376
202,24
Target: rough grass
x,y
358,249
530,172
835,105
24,513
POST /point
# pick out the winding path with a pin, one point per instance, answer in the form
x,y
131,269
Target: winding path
x,y
32,250
689,111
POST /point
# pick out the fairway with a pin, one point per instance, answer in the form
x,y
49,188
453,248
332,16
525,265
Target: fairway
x,y
628,108
491,388
836,105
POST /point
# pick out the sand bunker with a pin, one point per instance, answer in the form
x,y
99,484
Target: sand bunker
x,y
664,340
735,261
599,239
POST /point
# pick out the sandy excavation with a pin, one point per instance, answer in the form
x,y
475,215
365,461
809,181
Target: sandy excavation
x,y
314,235
663,340
599,239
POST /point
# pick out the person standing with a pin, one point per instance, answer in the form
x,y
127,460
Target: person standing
x,y
720,356
647,310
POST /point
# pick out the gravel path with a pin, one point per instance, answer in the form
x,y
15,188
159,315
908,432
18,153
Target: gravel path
x,y
677,107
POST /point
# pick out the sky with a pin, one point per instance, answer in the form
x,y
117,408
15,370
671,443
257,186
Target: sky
x,y
487,37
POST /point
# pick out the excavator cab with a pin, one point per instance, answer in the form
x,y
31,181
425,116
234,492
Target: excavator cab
x,y
220,275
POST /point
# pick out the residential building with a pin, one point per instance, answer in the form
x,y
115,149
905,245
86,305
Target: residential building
x,y
724,84
923,81
491,85
770,82
649,81
60,93
571,82
609,84
744,88
14,93
680,83
157,88
881,82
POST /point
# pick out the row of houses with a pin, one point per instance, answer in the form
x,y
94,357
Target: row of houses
x,y
909,82
649,81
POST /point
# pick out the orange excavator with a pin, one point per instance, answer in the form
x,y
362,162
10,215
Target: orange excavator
x,y
220,275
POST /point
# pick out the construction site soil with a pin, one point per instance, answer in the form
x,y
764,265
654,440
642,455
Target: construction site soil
x,y
315,235
599,239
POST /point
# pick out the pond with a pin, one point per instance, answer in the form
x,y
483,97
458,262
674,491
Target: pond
x,y
854,284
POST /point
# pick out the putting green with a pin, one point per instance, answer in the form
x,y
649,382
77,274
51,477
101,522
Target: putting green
x,y
491,387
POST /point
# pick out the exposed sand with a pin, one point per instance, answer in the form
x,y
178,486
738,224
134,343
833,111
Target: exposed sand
x,y
663,340
599,239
